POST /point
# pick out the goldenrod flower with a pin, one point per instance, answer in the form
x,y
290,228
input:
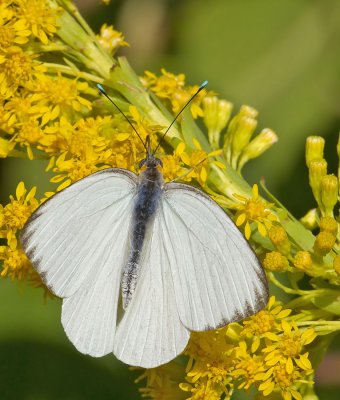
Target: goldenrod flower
x,y
53,97
253,209
15,214
111,39
15,263
17,68
287,348
39,17
172,87
303,261
12,32
265,321
275,261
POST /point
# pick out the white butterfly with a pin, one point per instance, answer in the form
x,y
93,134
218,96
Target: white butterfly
x,y
140,263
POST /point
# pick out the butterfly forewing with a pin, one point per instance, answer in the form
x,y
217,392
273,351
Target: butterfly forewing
x,y
66,237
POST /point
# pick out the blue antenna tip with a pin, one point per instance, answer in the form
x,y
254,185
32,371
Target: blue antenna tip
x,y
100,87
203,84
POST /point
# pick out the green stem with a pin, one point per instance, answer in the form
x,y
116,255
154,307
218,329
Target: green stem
x,y
73,72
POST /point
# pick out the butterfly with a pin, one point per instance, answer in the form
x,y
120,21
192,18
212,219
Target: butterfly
x,y
140,263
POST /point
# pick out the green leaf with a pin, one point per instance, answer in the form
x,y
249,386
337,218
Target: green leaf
x,y
190,130
329,301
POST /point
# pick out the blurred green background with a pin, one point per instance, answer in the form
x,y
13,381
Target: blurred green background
x,y
281,57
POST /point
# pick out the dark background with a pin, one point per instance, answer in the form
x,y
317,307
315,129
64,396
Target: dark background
x,y
280,57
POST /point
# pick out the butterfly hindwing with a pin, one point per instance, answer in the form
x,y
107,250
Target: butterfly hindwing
x,y
217,277
150,332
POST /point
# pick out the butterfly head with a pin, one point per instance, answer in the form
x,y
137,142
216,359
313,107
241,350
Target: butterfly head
x,y
150,161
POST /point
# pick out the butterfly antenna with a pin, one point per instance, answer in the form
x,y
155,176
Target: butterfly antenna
x,y
203,85
102,91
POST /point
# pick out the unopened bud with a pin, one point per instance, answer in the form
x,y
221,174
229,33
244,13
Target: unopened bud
x,y
216,116
262,142
303,261
279,238
329,193
228,146
317,170
314,148
328,224
324,243
276,262
310,220
336,265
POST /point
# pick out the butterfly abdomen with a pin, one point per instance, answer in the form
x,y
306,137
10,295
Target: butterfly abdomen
x,y
146,204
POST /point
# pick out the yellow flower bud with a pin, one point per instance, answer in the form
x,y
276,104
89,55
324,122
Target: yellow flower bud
x,y
336,264
248,111
317,170
275,261
279,238
262,142
314,148
329,193
303,261
324,243
216,116
237,123
243,132
328,224
309,220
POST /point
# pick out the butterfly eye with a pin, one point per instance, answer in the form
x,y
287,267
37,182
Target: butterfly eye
x,y
142,163
159,162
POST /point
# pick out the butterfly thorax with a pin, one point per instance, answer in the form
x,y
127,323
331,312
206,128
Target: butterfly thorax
x,y
147,199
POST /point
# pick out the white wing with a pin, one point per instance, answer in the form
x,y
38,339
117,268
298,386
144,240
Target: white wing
x,y
217,277
68,235
151,333
77,241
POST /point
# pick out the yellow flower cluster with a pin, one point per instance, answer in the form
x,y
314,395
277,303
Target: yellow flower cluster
x,y
50,110
266,352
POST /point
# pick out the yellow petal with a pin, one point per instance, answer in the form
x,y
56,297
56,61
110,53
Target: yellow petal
x,y
240,219
219,164
203,175
262,230
255,345
180,148
122,136
215,153
255,191
247,231
289,366
196,143
271,301
31,194
286,327
296,394
20,190
284,313
64,185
